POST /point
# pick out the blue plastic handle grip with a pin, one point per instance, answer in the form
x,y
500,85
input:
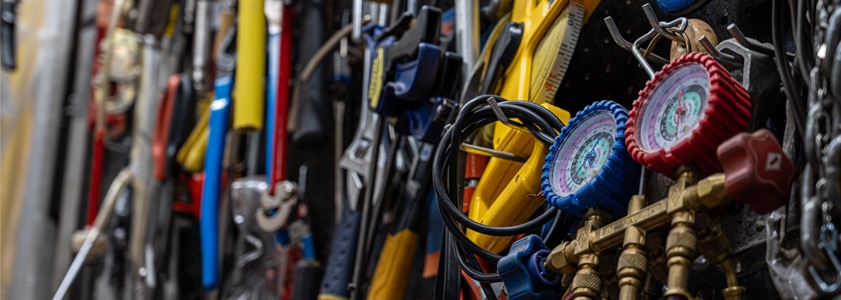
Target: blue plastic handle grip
x,y
220,113
340,263
271,101
676,6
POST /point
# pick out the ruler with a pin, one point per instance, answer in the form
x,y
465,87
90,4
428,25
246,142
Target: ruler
x,y
554,53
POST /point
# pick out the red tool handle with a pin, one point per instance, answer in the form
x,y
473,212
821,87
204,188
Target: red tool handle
x,y
283,90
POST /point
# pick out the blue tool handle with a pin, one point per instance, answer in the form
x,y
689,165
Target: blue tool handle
x,y
220,113
678,7
342,253
271,100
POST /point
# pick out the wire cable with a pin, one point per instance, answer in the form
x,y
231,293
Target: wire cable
x,y
474,115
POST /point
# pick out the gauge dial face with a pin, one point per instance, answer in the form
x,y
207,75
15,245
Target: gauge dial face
x,y
582,153
674,108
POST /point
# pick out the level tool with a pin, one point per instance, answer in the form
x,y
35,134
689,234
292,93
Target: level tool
x,y
588,165
690,107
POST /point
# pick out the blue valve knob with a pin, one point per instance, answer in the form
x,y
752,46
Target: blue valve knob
x,y
523,273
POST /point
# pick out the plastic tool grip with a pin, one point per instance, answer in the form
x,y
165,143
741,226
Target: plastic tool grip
x,y
678,7
757,171
342,253
311,102
513,205
392,273
251,58
277,169
220,112
307,276
271,100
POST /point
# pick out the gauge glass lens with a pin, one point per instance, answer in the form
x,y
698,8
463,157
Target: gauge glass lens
x,y
674,109
582,153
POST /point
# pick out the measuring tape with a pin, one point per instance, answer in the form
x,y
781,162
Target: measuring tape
x,y
588,165
684,113
554,52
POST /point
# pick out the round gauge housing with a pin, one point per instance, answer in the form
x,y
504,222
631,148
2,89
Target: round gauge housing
x,y
588,164
684,113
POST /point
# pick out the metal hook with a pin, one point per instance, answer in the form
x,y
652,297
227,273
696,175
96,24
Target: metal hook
x,y
635,50
829,241
657,25
625,44
489,152
747,42
718,55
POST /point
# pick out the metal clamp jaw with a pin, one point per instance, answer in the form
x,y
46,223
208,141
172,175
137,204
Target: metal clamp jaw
x,y
282,202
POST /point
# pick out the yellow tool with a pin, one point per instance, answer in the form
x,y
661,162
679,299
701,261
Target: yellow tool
x,y
251,67
191,154
514,204
550,31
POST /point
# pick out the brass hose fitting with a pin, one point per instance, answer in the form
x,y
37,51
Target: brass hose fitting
x,y
681,243
633,262
715,247
587,284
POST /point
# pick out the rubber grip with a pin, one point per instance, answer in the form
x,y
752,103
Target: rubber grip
x,y
311,103
341,259
220,111
392,273
307,276
251,67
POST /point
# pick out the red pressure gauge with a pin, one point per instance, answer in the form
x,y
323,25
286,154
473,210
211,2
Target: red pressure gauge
x,y
684,113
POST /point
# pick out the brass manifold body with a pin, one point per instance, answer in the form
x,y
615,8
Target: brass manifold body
x,y
685,202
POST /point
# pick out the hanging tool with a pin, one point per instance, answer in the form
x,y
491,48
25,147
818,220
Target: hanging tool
x,y
360,164
8,18
202,47
311,110
421,112
281,194
218,128
251,44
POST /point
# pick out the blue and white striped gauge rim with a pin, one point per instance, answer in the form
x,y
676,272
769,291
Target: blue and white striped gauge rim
x,y
588,164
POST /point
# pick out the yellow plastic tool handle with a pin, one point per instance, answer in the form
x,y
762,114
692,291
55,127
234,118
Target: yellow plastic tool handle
x,y
191,154
251,67
500,171
392,273
513,206
502,196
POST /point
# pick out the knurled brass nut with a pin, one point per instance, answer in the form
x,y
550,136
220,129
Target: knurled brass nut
x,y
589,280
681,238
634,260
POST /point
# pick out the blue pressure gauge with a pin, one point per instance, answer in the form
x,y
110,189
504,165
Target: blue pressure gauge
x,y
588,164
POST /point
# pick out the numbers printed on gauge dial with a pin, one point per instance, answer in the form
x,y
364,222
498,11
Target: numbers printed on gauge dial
x,y
675,108
583,153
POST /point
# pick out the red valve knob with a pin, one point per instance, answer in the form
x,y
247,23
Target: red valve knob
x,y
757,171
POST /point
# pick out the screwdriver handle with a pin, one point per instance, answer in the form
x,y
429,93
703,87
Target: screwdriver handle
x,y
251,67
342,254
220,112
307,276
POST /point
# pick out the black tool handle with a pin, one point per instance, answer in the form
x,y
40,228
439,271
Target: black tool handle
x,y
311,104
7,35
307,276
